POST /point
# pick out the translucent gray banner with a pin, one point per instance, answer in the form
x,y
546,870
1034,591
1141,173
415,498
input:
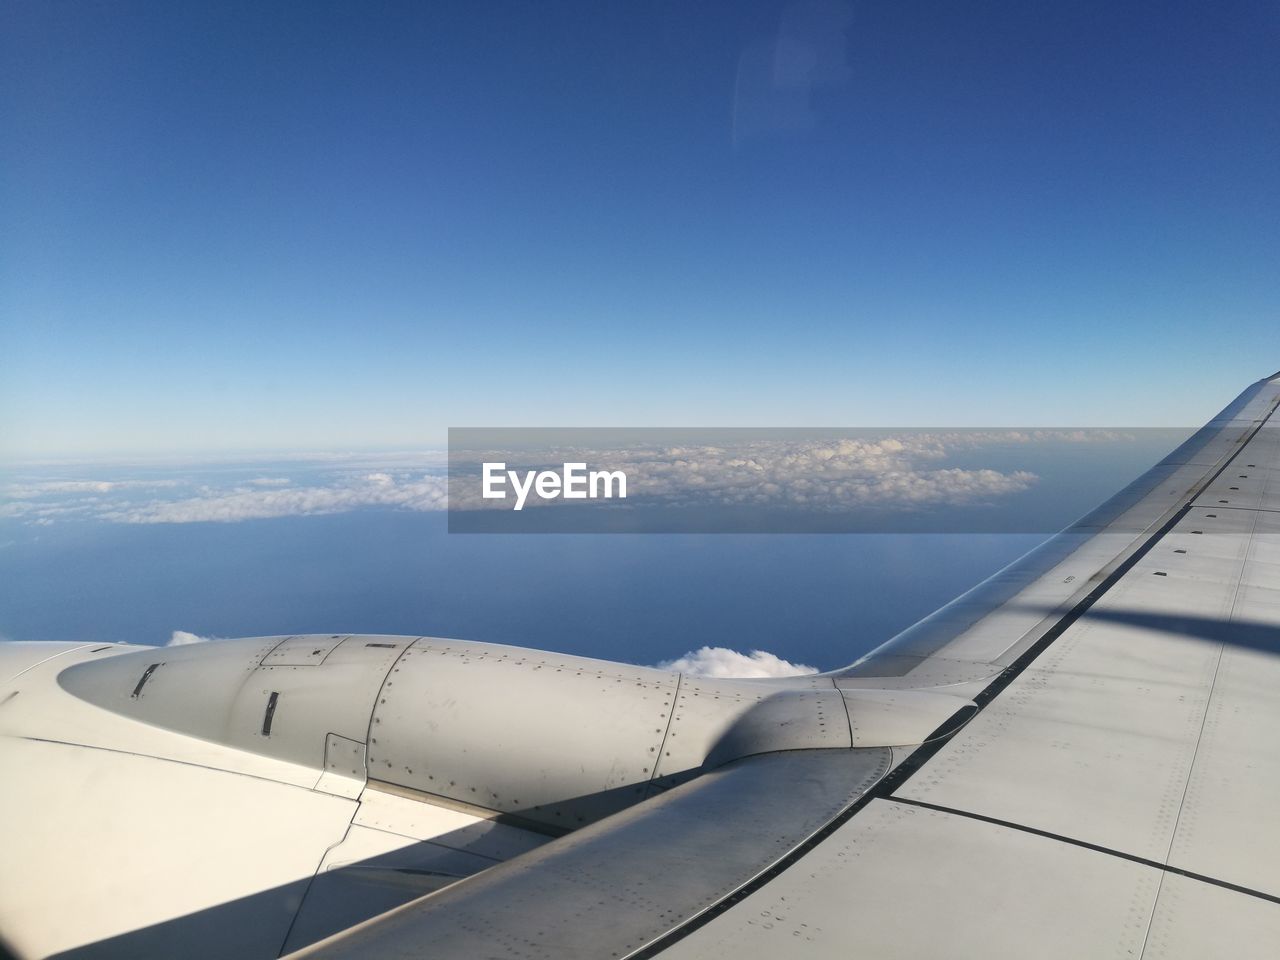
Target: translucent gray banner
x,y
792,480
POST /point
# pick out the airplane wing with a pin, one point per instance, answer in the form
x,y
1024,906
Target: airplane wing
x,y
1072,759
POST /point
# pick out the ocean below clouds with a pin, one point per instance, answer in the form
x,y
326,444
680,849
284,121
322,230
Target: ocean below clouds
x,y
147,553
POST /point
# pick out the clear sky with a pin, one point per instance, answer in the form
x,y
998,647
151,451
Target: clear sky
x,y
280,226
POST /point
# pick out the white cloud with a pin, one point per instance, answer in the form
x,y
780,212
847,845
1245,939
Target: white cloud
x,y
33,489
838,474
44,512
181,638
374,490
906,471
725,663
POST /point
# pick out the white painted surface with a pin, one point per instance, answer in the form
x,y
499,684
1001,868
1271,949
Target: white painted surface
x,y
370,872
42,708
562,740
900,881
416,820
1095,740
146,857
1196,920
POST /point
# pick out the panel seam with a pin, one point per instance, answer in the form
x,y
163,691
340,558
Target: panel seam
x,y
1085,844
1204,720
651,783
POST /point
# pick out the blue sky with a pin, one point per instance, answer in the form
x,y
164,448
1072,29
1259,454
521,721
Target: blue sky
x,y
274,227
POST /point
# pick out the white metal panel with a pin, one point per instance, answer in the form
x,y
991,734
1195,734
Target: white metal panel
x,y
43,709
913,673
187,688
902,881
1227,827
1239,487
1194,920
419,820
891,718
371,872
17,657
333,697
561,740
1266,550
302,651
614,886
145,857
716,720
344,767
219,691
1258,603
1095,739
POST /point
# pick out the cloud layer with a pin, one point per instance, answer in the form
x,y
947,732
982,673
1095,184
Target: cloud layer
x,y
373,490
204,496
725,663
181,638
903,472
838,474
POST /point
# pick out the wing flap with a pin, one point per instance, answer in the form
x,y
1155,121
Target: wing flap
x,y
611,888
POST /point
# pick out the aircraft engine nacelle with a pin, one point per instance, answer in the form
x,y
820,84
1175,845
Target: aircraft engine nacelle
x,y
540,738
